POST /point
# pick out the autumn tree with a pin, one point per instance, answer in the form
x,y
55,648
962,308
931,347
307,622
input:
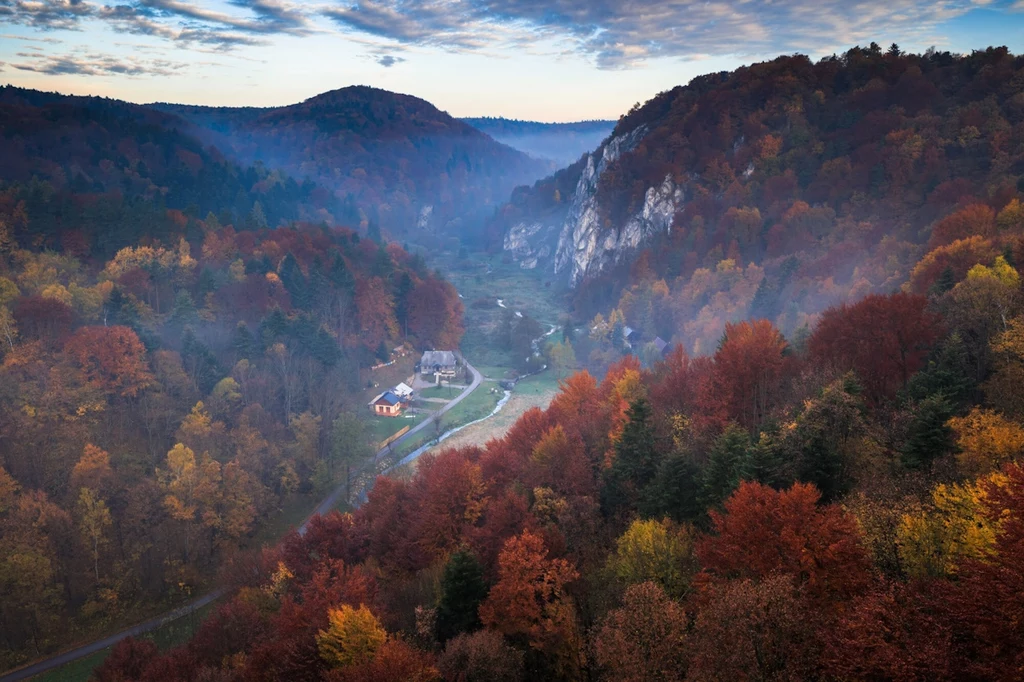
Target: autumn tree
x,y
112,358
93,519
529,602
755,630
659,552
749,371
953,528
481,657
883,339
986,440
762,531
353,636
645,639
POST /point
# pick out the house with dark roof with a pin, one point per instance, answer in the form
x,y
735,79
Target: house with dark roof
x,y
387,404
440,363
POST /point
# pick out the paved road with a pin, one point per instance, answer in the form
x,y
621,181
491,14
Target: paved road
x,y
329,503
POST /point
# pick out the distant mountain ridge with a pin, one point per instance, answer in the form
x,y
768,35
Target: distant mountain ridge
x,y
559,142
401,160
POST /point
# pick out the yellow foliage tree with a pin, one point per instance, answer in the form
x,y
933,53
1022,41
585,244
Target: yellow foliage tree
x,y
655,551
352,636
935,541
986,440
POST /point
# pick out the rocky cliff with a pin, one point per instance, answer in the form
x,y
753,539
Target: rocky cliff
x,y
576,242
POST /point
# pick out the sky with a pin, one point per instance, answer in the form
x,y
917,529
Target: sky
x,y
544,60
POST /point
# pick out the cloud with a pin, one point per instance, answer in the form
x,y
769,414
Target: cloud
x,y
621,33
271,16
47,15
388,60
90,64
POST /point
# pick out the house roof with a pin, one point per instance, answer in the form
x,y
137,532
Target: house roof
x,y
660,343
402,390
442,358
387,397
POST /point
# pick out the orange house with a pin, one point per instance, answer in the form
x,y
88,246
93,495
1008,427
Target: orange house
x,y
387,404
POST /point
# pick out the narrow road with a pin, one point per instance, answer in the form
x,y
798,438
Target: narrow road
x,y
328,503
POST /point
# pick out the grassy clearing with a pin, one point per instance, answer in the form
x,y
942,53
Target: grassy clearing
x,y
446,392
379,428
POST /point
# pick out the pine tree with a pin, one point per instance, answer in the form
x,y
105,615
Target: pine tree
x,y
462,590
928,437
243,342
675,491
726,464
636,460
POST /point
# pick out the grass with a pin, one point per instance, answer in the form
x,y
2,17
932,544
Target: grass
x,y
476,405
379,428
446,392
167,636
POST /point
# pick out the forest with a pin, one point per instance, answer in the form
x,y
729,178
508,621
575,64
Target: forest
x,y
850,507
815,475
819,478
805,184
160,408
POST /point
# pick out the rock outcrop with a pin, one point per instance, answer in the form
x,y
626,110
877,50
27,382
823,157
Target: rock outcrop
x,y
581,245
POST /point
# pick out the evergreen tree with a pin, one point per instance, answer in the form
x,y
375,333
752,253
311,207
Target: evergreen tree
x,y
636,460
950,371
340,276
462,590
945,282
674,492
928,437
295,282
726,464
243,342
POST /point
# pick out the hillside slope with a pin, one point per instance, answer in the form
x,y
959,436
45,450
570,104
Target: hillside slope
x,y
99,173
562,143
398,158
828,178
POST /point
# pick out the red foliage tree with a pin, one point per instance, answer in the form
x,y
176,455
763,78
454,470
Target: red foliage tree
x,y
764,531
976,219
46,319
127,661
884,339
749,371
112,358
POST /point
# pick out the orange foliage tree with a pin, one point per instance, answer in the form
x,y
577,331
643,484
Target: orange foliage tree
x,y
764,531
112,359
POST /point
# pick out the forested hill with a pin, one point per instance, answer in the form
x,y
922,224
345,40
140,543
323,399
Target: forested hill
x,y
783,187
559,142
99,174
159,409
400,159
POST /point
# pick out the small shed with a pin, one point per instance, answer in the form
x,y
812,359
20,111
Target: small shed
x,y
387,404
403,391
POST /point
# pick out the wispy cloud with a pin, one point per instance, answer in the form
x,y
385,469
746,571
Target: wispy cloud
x,y
90,64
620,33
46,15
